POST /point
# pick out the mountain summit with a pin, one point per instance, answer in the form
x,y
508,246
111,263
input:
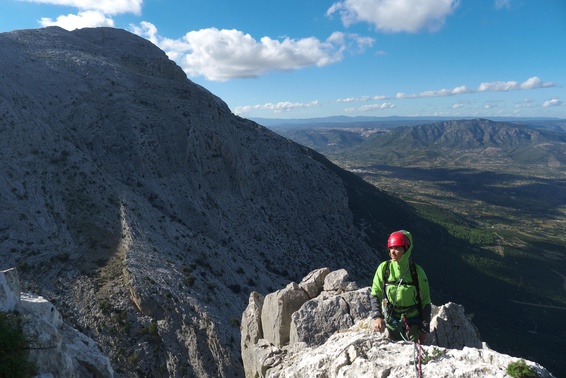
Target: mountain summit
x,y
139,204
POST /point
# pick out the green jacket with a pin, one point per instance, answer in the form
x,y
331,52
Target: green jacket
x,y
403,297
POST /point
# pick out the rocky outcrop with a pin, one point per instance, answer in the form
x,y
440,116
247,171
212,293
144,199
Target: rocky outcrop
x,y
452,327
56,349
331,335
359,353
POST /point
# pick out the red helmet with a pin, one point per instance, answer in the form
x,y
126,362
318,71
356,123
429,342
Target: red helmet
x,y
398,239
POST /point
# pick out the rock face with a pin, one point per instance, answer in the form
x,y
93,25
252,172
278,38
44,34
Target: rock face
x,y
135,200
330,335
56,348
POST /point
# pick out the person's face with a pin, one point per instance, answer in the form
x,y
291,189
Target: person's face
x,y
396,252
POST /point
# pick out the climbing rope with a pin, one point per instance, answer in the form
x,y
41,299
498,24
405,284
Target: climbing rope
x,y
417,350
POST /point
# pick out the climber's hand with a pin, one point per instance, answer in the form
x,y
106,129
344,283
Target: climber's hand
x,y
379,325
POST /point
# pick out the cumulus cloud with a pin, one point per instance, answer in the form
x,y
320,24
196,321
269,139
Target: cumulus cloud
x,y
279,107
395,15
108,7
86,19
221,55
553,102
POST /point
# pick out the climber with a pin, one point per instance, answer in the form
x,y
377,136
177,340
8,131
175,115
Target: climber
x,y
400,295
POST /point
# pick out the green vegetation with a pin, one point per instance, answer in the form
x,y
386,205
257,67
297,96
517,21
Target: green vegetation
x,y
436,354
14,350
189,278
520,369
153,330
235,322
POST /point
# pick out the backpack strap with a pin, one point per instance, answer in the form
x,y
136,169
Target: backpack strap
x,y
415,278
385,280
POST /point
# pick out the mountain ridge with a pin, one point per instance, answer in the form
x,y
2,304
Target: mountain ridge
x,y
448,140
354,120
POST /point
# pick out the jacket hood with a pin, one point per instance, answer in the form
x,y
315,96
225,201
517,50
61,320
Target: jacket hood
x,y
405,258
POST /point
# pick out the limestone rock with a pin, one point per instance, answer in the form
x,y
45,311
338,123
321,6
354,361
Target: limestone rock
x,y
360,353
313,283
251,329
56,348
331,335
338,281
277,310
9,290
452,328
322,316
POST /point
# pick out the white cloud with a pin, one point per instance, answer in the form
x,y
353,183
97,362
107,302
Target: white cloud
x,y
221,55
553,102
349,99
435,93
105,6
495,86
86,19
279,107
359,99
499,86
370,108
395,15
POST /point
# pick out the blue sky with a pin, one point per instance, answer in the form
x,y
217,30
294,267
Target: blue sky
x,y
316,58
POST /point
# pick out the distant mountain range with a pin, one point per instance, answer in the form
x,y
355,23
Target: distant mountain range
x,y
441,143
480,141
395,121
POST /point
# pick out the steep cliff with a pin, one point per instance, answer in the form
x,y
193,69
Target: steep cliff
x,y
134,200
